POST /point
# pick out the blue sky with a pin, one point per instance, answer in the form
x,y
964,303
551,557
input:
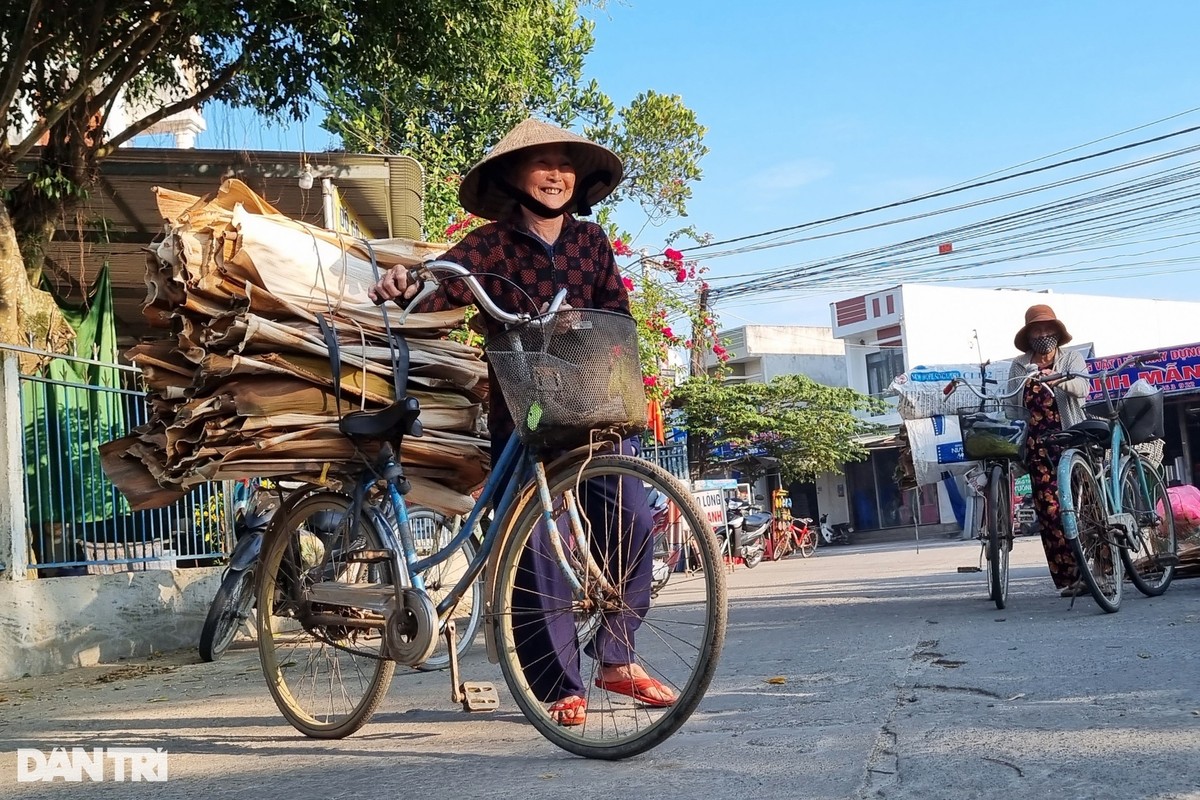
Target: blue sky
x,y
815,109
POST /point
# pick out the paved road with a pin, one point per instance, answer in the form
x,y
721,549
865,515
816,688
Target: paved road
x,y
902,681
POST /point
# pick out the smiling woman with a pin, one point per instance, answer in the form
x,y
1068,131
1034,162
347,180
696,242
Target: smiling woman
x,y
532,183
546,174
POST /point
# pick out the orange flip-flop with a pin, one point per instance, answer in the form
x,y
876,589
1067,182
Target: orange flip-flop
x,y
638,689
569,711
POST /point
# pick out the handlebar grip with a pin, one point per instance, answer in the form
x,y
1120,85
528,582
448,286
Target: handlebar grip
x,y
413,278
949,388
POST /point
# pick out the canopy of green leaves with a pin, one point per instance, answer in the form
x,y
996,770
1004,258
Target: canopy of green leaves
x,y
807,427
530,62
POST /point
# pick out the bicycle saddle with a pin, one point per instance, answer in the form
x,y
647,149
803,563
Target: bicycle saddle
x,y
398,419
1094,431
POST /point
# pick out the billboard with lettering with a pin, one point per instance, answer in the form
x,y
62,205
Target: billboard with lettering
x,y
1177,372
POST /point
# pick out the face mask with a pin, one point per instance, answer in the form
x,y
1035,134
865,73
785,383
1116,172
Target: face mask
x,y
1044,344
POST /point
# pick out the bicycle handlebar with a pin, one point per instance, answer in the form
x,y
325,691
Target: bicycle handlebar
x,y
423,276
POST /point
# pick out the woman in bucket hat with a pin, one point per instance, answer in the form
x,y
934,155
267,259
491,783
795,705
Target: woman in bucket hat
x,y
532,184
1051,409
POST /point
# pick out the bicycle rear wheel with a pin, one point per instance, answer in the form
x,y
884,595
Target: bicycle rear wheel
x,y
679,633
807,542
999,523
326,678
1153,549
1082,500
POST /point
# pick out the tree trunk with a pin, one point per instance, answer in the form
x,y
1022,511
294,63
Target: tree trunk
x,y
28,317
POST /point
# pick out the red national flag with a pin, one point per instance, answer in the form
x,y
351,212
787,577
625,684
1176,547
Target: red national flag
x,y
945,247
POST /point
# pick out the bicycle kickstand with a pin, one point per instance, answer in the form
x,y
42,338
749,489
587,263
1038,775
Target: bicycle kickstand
x,y
474,695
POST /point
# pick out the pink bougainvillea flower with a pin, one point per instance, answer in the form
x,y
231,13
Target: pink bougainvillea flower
x,y
667,333
709,321
673,256
620,248
650,381
703,285
692,272
689,344
719,350
681,275
627,283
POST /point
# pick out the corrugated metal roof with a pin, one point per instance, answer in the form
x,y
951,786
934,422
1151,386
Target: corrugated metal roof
x,y
121,217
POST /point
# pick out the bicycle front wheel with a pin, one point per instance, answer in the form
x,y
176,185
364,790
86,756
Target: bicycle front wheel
x,y
658,655
1095,554
230,608
781,544
999,522
324,665
1153,550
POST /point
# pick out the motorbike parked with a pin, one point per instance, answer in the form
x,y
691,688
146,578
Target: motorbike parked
x,y
746,530
837,533
1025,518
234,601
665,557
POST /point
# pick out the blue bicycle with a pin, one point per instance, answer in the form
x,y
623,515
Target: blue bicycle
x,y
344,594
1114,504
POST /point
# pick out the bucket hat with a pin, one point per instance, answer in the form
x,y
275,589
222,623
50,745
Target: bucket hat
x,y
486,190
1033,315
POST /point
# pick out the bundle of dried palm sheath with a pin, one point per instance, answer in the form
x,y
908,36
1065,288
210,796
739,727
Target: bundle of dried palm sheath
x,y
241,384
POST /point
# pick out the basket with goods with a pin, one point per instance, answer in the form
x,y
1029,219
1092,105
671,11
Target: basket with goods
x,y
995,434
946,428
1185,509
269,337
565,376
921,390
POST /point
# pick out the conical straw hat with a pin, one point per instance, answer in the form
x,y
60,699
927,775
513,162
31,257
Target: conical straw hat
x,y
596,168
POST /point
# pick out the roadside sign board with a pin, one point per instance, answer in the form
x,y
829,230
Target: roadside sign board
x,y
712,503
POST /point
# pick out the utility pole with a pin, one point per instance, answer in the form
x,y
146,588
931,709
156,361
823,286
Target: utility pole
x,y
698,351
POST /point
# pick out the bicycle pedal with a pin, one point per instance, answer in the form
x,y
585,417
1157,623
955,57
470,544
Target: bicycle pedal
x,y
479,696
368,556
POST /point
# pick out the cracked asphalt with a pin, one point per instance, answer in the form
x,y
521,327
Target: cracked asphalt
x,y
899,680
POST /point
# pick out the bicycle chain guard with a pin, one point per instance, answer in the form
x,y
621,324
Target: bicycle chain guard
x,y
410,635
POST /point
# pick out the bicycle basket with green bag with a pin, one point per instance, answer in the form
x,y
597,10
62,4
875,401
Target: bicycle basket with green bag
x,y
995,434
564,374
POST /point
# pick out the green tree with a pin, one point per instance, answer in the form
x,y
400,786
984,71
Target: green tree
x,y
447,122
66,66
807,427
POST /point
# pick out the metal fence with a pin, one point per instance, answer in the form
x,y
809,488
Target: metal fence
x,y
671,457
79,523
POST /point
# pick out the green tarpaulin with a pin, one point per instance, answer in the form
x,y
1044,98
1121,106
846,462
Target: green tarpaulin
x,y
66,421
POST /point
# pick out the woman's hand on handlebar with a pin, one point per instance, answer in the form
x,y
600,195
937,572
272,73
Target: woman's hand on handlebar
x,y
395,284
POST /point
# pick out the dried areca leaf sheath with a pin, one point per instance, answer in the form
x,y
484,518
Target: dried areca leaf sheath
x,y
244,383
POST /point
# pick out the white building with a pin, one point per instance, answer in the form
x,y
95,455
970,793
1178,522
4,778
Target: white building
x,y
911,325
758,353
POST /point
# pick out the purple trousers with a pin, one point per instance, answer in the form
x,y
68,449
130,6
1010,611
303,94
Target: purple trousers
x,y
544,624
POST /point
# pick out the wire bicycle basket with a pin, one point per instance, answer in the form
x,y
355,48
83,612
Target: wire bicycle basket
x,y
568,373
995,434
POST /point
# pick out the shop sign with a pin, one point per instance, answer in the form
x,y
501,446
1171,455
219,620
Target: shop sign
x,y
1176,372
712,503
